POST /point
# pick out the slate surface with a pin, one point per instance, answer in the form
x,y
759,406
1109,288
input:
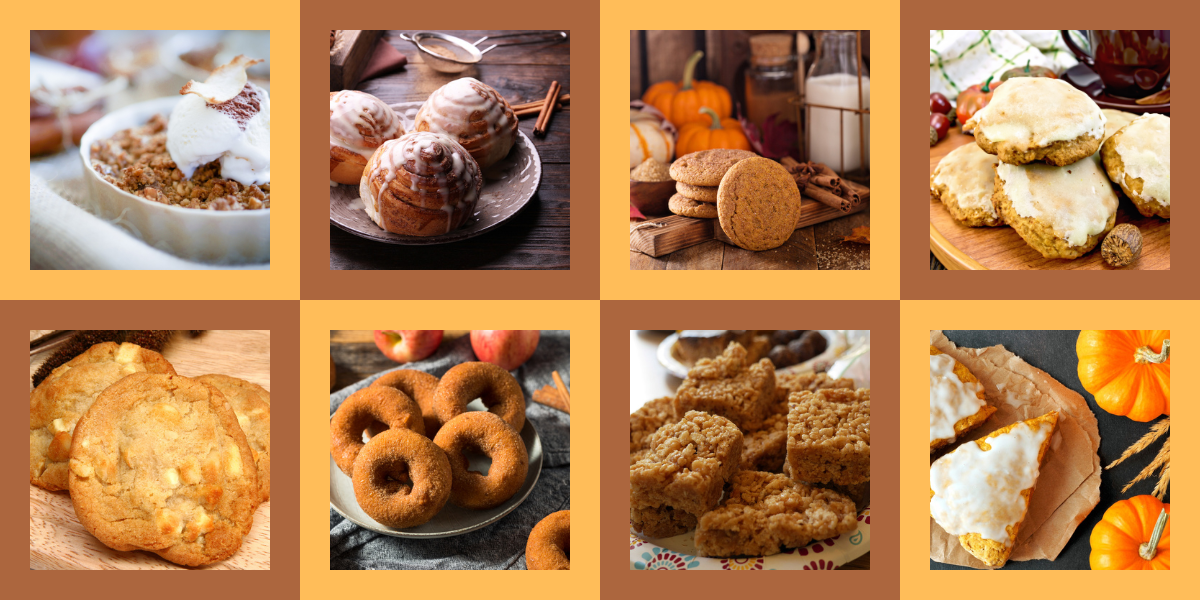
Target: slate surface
x,y
1054,353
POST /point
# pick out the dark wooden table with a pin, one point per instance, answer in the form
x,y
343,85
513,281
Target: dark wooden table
x,y
539,237
817,247
357,357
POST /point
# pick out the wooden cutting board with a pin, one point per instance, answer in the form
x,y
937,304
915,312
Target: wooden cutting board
x,y
961,247
56,538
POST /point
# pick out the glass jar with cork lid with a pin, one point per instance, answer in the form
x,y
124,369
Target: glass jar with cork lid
x,y
771,78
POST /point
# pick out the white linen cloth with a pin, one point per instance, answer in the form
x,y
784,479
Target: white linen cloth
x,y
961,58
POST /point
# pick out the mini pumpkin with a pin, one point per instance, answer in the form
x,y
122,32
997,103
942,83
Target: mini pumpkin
x,y
681,102
719,133
1129,372
647,139
1133,535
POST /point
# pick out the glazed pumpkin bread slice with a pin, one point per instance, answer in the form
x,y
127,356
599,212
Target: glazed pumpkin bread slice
x,y
956,400
980,491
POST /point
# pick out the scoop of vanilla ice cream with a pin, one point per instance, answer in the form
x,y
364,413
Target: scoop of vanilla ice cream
x,y
236,131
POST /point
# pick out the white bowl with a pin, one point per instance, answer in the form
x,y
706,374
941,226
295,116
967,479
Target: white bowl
x,y
214,236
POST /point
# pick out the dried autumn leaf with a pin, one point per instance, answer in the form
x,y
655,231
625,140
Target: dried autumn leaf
x,y
860,235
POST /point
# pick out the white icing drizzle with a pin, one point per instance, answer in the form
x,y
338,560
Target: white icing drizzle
x,y
969,173
361,122
1038,111
1076,200
473,113
441,175
1145,148
980,492
950,398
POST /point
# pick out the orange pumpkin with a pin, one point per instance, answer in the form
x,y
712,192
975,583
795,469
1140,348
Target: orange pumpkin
x,y
719,133
1129,372
681,102
1134,535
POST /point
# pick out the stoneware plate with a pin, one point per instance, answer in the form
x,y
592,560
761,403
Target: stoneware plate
x,y
451,520
507,188
213,236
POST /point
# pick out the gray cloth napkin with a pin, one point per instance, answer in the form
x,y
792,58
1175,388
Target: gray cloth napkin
x,y
502,544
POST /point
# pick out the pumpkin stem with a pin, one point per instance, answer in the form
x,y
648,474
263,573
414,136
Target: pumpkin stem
x,y
689,69
1146,354
1149,549
712,114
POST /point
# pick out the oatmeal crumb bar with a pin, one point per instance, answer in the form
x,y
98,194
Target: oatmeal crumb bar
x,y
647,419
766,512
765,446
787,384
829,436
662,522
687,466
728,386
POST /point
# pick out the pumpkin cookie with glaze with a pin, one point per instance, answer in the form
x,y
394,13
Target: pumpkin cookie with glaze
x,y
67,393
964,182
707,167
1138,158
758,204
1038,119
1115,120
1062,212
691,208
159,463
699,193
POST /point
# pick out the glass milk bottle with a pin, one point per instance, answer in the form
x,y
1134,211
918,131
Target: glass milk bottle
x,y
833,82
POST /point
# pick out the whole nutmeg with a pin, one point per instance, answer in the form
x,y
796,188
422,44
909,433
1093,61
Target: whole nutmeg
x,y
781,357
783,336
932,136
1122,245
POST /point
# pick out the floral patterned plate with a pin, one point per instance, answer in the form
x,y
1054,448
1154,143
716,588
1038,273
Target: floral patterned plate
x,y
678,553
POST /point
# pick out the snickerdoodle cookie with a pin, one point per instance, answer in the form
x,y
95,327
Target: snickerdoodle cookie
x,y
699,193
691,208
1038,119
252,406
67,393
758,204
1062,212
707,167
1138,158
964,182
159,463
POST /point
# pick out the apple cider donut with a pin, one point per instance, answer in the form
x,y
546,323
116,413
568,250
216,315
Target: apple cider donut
x,y
419,386
362,409
497,388
401,479
488,434
549,546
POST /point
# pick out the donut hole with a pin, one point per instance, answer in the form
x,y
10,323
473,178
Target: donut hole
x,y
476,460
374,428
394,478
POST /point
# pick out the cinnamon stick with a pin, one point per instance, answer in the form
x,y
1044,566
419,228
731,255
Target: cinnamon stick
x,y
827,198
563,100
562,389
539,128
826,181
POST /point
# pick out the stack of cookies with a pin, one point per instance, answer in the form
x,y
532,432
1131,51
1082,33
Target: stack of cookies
x,y
1035,167
755,198
154,461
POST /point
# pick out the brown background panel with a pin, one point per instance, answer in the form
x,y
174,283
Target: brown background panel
x,y
619,316
582,281
283,319
917,282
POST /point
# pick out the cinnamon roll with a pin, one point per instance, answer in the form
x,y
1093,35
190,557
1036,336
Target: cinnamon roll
x,y
422,183
358,124
474,114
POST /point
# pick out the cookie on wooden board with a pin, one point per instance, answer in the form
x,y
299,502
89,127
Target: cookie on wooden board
x,y
691,208
758,204
252,405
707,167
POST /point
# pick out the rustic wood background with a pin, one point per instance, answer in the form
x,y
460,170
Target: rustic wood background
x,y
539,237
357,357
1002,248
57,540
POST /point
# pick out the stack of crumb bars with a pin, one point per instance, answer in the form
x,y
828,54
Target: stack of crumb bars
x,y
792,455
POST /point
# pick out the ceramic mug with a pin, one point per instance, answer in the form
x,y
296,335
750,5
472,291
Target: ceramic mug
x,y
1133,63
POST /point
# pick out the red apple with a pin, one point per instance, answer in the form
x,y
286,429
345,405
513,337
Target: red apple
x,y
508,348
408,345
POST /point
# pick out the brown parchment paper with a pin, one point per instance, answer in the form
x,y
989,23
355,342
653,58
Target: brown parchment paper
x,y
1068,486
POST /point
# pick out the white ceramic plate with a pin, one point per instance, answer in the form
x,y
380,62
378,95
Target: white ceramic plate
x,y
507,188
212,236
451,520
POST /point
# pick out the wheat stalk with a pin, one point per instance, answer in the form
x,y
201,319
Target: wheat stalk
x,y
1163,458
1163,481
1156,431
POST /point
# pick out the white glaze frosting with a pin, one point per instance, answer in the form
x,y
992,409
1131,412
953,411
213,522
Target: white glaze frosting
x,y
1037,111
474,114
361,122
980,492
1075,200
950,398
1145,149
434,184
969,174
